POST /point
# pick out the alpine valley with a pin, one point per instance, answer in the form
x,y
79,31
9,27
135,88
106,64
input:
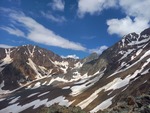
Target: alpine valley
x,y
117,81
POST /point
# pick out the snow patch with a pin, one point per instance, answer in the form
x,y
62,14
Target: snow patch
x,y
16,108
33,66
43,93
14,100
33,94
104,105
37,85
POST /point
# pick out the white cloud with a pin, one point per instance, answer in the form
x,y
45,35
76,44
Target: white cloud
x,y
94,6
137,14
135,9
13,31
5,46
71,56
38,33
126,25
57,5
58,19
98,50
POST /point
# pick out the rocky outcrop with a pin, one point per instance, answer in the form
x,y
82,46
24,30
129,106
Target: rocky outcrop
x,y
139,104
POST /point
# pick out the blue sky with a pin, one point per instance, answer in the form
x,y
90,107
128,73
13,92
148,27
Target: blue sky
x,y
71,27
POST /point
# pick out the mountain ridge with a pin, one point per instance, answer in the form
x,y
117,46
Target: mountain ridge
x,y
94,85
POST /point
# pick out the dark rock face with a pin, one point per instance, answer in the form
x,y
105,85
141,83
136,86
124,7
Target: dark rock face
x,y
91,57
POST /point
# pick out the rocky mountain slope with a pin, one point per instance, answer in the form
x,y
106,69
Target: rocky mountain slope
x,y
23,64
93,84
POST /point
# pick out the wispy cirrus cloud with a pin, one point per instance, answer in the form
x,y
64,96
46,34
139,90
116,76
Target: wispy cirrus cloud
x,y
49,15
13,31
57,5
94,6
40,34
5,46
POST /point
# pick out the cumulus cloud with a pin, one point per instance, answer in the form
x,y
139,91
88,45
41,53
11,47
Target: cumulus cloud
x,y
38,33
126,25
5,46
94,6
13,31
136,8
140,18
57,5
71,56
98,50
58,19
137,15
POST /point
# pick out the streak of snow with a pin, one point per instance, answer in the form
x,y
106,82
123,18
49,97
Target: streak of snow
x,y
31,53
67,87
78,65
85,83
139,42
145,81
43,93
121,52
123,41
39,51
118,83
145,72
63,63
60,100
57,79
138,52
33,66
147,53
44,83
14,100
78,89
6,60
37,85
3,91
2,99
104,105
33,94
126,54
